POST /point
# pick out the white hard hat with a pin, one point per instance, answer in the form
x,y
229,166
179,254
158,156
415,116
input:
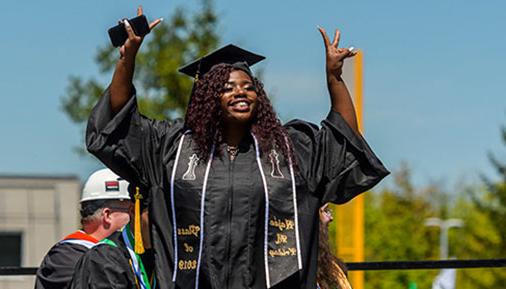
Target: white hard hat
x,y
105,185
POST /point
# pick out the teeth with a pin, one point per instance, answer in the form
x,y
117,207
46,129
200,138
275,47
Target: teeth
x,y
241,103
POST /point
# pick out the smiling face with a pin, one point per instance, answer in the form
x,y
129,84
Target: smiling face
x,y
239,100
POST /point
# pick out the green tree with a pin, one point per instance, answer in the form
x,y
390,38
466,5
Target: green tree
x,y
485,217
475,240
177,40
395,230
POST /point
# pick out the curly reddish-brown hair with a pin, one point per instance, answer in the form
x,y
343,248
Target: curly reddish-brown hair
x,y
204,115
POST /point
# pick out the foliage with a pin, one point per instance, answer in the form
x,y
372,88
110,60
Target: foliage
x,y
485,217
395,230
165,92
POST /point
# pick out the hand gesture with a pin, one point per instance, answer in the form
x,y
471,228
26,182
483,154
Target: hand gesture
x,y
129,49
334,55
326,214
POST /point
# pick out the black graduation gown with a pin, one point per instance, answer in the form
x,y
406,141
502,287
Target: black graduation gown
x,y
105,267
334,165
57,267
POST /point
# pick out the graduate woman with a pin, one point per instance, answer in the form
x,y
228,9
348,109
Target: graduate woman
x,y
233,194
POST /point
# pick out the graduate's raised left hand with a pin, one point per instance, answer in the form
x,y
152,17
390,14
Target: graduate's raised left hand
x,y
334,54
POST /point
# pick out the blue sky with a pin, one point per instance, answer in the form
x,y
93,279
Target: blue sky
x,y
434,75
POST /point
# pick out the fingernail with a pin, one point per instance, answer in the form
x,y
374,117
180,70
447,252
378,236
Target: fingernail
x,y
161,19
318,27
126,23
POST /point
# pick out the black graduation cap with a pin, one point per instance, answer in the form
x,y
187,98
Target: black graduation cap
x,y
230,54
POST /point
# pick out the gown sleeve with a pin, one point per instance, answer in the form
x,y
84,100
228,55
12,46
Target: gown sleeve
x,y
102,268
336,163
55,271
129,143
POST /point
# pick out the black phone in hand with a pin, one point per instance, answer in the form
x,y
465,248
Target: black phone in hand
x,y
119,35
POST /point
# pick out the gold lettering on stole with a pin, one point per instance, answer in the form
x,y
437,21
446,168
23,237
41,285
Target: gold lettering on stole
x,y
187,264
188,248
280,252
286,224
191,230
281,239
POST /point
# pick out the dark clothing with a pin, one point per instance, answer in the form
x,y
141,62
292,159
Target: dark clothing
x,y
55,271
334,165
57,267
105,266
148,260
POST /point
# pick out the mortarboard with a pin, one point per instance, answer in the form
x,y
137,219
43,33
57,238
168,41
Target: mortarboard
x,y
230,54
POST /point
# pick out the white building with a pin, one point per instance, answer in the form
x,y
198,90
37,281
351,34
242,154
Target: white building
x,y
35,213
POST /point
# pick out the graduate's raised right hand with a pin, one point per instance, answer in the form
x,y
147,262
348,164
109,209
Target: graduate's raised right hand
x,y
129,49
121,84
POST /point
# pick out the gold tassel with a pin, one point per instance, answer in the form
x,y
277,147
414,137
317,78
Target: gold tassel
x,y
139,247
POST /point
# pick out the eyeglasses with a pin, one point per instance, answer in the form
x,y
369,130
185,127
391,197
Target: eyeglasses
x,y
230,87
120,209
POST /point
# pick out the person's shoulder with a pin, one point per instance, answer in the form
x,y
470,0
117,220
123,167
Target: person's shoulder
x,y
63,255
168,122
103,254
169,126
66,250
301,124
301,130
102,247
58,264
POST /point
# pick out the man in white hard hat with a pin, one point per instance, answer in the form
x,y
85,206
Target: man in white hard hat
x,y
124,260
105,207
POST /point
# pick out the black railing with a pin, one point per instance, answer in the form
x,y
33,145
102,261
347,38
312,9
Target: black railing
x,y
418,265
357,266
6,271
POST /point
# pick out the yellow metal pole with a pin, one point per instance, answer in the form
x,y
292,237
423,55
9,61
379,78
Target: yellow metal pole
x,y
350,217
359,211
359,88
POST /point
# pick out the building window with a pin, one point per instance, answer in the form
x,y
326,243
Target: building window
x,y
10,249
